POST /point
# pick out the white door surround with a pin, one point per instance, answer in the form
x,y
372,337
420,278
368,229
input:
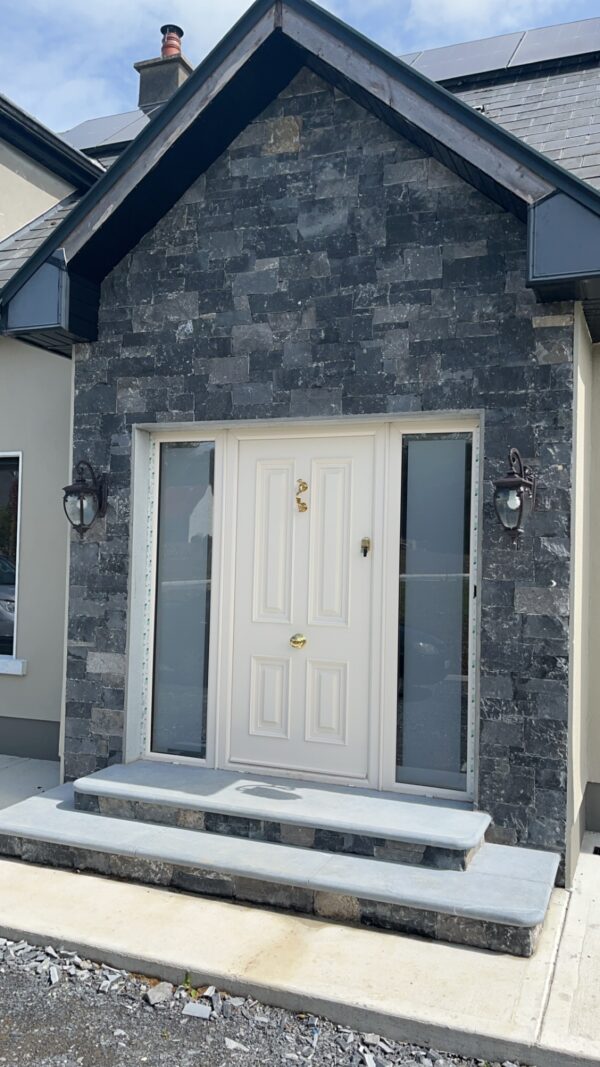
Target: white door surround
x,y
328,710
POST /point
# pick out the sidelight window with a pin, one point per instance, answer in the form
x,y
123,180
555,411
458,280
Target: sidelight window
x,y
183,596
434,603
9,548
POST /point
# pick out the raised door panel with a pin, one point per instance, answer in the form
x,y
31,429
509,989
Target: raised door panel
x,y
327,703
274,541
269,697
329,553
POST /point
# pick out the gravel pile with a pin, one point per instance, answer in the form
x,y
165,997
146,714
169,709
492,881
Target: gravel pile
x,y
60,1010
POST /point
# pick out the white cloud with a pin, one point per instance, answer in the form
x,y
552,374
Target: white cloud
x,y
75,58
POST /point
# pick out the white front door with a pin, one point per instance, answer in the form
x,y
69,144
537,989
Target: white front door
x,y
302,610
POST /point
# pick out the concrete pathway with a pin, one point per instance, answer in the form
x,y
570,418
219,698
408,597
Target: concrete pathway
x,y
543,1011
21,778
572,1020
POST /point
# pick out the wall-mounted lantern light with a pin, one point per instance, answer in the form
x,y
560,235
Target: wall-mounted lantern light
x,y
514,495
85,500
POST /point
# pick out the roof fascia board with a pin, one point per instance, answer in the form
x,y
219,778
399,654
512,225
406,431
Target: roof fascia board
x,y
549,171
171,130
40,144
445,128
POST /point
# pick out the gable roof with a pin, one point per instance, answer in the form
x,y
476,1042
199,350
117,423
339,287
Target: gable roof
x,y
29,136
532,58
250,66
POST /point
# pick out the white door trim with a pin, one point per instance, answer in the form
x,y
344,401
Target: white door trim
x,y
386,530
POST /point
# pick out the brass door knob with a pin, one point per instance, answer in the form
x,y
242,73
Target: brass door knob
x,y
298,641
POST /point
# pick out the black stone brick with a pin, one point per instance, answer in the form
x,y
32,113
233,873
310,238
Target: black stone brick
x,y
343,320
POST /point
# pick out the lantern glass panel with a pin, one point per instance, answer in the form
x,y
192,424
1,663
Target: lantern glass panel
x,y
509,506
90,507
73,508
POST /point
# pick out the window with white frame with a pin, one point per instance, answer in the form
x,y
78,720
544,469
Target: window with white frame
x,y
10,469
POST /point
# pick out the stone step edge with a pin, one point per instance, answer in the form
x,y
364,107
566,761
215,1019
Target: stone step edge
x,y
479,933
339,842
91,786
265,862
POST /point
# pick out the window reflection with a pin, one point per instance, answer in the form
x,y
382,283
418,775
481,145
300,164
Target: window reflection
x,y
183,582
9,521
432,735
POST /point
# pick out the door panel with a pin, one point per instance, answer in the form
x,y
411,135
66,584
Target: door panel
x,y
299,569
327,702
270,697
329,548
274,542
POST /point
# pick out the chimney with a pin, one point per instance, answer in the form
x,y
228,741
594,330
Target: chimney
x,y
161,77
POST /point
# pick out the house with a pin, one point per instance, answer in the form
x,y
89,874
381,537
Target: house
x,y
311,306
38,173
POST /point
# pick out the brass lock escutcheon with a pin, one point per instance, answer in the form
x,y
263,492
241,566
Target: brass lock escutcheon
x,y
301,487
298,640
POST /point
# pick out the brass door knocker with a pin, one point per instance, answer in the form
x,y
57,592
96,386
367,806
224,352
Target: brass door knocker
x,y
301,487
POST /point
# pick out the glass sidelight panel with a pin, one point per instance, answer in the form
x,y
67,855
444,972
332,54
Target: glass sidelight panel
x,y
9,523
183,578
432,726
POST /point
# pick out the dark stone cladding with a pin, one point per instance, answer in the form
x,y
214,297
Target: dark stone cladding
x,y
314,837
324,266
339,907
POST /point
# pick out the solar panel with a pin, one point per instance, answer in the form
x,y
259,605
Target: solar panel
x,y
557,42
107,130
473,57
410,57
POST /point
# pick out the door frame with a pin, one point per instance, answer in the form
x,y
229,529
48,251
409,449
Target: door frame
x,y
382,656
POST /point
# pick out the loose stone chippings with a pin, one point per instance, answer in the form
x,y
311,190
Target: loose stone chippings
x,y
95,1015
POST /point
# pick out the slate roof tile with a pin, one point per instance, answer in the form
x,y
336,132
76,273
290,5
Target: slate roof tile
x,y
16,249
557,112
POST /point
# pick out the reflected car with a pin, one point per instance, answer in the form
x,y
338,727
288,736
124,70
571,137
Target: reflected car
x,y
8,579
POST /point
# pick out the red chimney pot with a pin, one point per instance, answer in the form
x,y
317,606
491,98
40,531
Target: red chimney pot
x,y
171,42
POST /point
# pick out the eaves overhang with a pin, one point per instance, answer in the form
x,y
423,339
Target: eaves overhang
x,y
37,142
251,65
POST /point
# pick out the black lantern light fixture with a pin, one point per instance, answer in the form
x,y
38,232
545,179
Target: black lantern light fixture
x,y
85,500
514,495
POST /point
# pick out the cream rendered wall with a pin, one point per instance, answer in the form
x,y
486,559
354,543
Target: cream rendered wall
x,y
26,189
581,519
35,402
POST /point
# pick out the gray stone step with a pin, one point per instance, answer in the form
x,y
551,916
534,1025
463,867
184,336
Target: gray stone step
x,y
499,903
329,818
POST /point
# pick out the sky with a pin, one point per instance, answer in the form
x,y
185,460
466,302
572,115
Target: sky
x,y
73,58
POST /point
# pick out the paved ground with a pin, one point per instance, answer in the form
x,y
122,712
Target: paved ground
x,y
21,778
58,1010
572,1019
406,989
